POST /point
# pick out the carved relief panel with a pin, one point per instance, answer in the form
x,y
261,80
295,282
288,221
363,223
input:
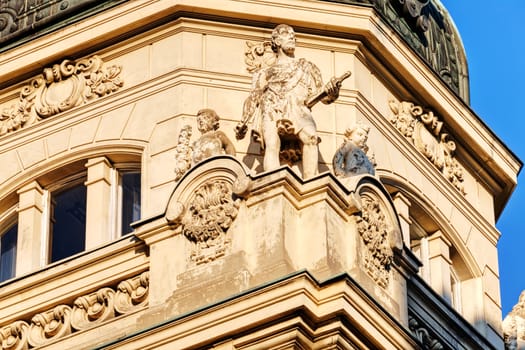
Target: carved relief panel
x,y
204,207
380,233
210,213
425,131
58,89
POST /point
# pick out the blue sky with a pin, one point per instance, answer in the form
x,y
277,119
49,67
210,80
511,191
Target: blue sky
x,y
494,40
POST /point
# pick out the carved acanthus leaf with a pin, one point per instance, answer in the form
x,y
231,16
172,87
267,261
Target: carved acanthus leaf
x,y
132,294
93,308
425,131
210,213
50,325
183,152
14,336
87,311
374,230
258,55
58,89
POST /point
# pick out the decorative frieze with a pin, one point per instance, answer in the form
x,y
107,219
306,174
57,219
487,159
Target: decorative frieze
x,y
425,131
60,88
87,311
14,336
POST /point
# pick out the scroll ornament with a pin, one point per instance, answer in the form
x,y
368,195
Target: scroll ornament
x,y
86,312
423,335
425,131
14,336
374,230
210,214
60,88
258,55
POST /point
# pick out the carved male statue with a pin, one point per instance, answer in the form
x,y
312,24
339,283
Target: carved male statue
x,y
281,101
351,158
212,141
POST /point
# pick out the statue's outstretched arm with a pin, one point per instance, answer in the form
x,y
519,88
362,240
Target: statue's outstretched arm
x,y
250,106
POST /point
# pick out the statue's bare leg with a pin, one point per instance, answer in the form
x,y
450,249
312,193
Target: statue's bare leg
x,y
310,153
272,144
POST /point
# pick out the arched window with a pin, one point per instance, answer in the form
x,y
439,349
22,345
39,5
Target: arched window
x,y
73,207
438,247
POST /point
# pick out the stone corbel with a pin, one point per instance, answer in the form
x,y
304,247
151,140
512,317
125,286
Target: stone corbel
x,y
60,88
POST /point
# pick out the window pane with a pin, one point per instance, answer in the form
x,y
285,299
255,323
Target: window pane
x,y
68,223
8,253
130,200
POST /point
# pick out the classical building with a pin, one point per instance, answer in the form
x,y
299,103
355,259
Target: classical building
x,y
175,174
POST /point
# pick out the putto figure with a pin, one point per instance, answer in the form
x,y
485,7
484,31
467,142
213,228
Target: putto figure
x,y
212,141
279,105
351,158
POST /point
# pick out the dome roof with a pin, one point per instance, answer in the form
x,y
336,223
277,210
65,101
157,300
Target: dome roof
x,y
426,26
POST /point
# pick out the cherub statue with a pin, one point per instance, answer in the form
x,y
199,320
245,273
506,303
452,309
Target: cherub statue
x,y
351,158
212,141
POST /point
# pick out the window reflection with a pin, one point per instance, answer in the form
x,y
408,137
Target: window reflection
x,y
68,222
8,253
130,184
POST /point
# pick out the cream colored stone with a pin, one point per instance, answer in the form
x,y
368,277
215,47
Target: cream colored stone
x,y
138,68
439,260
223,49
84,133
113,122
58,142
30,245
100,204
32,153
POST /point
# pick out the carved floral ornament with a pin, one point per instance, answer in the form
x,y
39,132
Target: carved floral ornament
x,y
86,312
379,233
425,131
209,215
60,88
204,205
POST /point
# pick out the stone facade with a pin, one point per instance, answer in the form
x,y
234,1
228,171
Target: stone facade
x,y
224,252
